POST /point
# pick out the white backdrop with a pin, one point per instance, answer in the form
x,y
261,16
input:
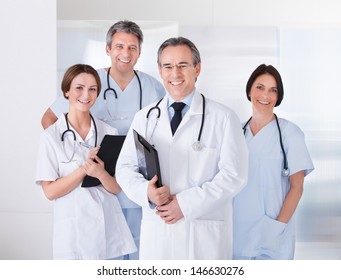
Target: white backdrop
x,y
28,78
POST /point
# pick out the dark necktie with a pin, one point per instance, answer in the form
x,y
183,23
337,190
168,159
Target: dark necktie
x,y
177,106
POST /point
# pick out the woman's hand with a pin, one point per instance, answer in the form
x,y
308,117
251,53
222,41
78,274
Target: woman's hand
x,y
94,166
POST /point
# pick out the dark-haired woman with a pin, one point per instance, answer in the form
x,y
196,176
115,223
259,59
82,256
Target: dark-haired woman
x,y
278,162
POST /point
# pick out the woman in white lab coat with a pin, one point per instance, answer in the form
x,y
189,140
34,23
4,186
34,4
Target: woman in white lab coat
x,y
88,222
198,184
264,226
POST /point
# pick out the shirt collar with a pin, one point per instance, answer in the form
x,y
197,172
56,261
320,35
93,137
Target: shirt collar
x,y
187,100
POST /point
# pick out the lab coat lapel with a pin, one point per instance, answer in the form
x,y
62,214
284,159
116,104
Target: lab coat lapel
x,y
164,119
195,109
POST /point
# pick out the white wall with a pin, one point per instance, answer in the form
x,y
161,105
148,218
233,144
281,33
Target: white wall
x,y
28,79
28,76
207,12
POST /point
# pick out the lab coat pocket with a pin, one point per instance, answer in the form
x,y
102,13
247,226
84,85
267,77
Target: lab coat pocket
x,y
203,165
209,240
153,241
64,240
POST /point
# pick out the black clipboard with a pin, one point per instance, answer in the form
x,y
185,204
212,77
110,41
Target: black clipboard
x,y
148,159
108,152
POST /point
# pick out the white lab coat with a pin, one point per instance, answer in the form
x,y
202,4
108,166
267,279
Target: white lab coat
x,y
204,181
88,222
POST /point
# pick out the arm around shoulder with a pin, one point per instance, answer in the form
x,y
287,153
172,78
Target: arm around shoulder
x,y
48,118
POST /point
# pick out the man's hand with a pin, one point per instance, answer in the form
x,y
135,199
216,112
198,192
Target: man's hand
x,y
157,195
170,212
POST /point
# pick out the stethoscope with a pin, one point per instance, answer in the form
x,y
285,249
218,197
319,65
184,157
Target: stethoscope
x,y
197,145
68,130
113,91
285,171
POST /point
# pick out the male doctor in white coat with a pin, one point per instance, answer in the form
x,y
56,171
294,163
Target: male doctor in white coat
x,y
190,216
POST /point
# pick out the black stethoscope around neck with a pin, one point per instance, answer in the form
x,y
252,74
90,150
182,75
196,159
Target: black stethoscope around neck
x,y
197,145
113,91
285,171
68,130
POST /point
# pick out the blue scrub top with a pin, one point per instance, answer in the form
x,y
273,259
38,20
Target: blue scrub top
x,y
256,207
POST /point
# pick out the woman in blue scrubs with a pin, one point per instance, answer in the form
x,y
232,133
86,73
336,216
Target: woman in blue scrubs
x,y
264,209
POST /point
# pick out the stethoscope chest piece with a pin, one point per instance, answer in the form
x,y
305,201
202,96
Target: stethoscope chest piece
x,y
197,146
285,172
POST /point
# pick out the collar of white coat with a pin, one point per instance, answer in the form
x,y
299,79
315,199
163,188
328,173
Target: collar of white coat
x,y
194,101
61,123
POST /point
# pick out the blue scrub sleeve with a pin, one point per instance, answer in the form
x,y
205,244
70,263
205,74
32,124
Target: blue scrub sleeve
x,y
60,105
297,152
